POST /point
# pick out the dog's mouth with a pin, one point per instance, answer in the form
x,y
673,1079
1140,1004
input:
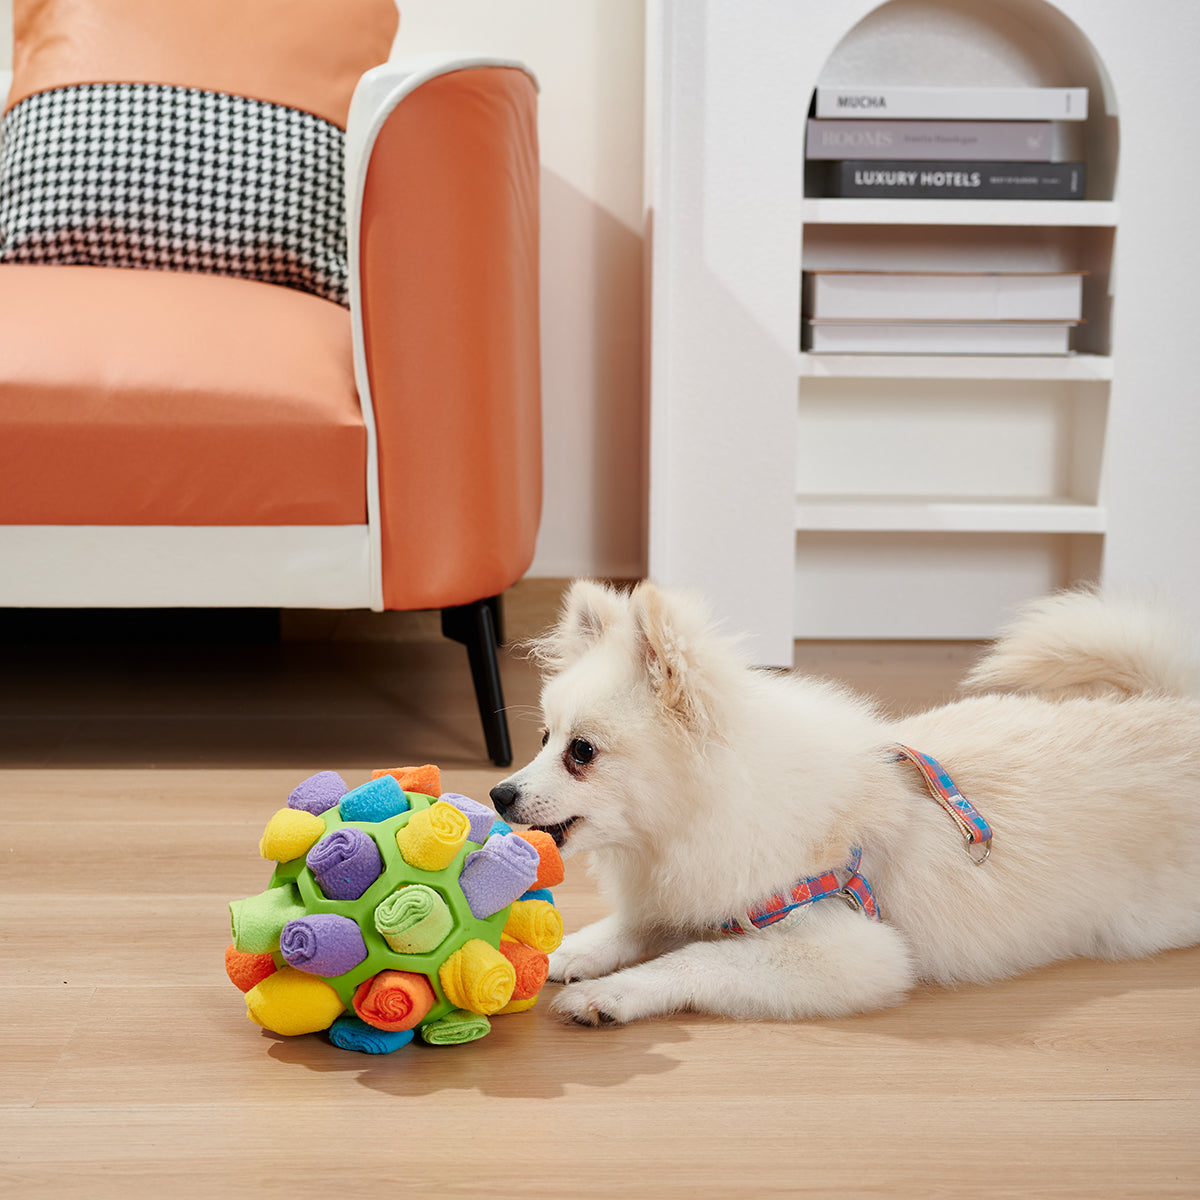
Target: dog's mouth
x,y
559,832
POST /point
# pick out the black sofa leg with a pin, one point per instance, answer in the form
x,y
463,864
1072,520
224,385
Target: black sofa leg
x,y
477,626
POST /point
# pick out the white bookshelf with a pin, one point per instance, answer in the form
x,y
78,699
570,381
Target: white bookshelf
x,y
820,495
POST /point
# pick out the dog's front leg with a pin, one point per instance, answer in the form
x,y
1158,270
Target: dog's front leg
x,y
601,948
836,963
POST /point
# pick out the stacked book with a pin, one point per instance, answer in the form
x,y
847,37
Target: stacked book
x,y
940,312
945,142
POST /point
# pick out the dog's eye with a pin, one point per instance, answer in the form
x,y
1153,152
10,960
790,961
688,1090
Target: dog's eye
x,y
545,736
582,752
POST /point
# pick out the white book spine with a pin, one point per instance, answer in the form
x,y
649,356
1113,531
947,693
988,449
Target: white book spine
x,y
924,337
953,103
892,296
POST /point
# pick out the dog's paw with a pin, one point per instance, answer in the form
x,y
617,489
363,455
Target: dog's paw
x,y
566,967
593,1002
584,956
614,1000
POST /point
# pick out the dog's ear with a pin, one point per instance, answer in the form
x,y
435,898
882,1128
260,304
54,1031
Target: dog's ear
x,y
588,610
671,630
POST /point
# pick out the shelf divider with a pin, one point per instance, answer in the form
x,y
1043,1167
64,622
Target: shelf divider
x,y
929,514
1077,213
1085,368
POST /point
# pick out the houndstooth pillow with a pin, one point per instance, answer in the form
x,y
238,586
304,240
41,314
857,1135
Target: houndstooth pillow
x,y
174,179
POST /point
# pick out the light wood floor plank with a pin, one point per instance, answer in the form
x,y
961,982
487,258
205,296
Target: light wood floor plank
x,y
675,1149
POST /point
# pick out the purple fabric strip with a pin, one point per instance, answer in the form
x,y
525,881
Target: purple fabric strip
x,y
499,873
345,863
318,792
323,944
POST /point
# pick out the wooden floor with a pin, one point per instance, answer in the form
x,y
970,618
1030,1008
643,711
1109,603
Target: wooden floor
x,y
134,784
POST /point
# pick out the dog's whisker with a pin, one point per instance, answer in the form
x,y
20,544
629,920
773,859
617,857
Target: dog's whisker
x,y
524,712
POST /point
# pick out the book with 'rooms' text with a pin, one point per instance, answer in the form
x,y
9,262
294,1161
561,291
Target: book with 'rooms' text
x,y
991,141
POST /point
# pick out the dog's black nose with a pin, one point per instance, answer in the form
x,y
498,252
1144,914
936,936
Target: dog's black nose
x,y
504,796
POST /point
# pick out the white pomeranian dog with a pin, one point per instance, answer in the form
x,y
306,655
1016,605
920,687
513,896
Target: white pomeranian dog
x,y
774,848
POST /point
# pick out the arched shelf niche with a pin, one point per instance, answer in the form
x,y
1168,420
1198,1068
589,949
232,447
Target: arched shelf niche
x,y
1002,43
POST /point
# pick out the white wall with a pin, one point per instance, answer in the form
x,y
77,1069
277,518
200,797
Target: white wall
x,y
588,56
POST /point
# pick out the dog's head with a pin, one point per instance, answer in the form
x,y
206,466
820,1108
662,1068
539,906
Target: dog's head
x,y
632,684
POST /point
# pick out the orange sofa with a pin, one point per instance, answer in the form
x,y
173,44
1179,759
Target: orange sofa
x,y
169,438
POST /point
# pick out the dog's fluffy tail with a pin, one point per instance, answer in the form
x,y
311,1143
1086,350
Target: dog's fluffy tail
x,y
1082,643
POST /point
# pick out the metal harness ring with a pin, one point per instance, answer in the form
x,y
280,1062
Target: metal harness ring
x,y
987,850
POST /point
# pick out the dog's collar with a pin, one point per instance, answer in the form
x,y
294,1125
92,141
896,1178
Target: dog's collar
x,y
848,884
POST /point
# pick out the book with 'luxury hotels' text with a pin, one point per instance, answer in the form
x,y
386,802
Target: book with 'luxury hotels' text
x,y
952,180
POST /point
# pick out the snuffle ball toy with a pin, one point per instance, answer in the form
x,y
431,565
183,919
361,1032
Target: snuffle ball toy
x,y
392,914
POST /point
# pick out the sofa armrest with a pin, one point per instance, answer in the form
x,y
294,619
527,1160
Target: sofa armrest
x,y
442,181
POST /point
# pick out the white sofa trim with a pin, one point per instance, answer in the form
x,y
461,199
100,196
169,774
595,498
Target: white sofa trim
x,y
184,566
378,93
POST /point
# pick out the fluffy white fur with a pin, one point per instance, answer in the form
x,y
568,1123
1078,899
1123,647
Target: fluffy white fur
x,y
702,786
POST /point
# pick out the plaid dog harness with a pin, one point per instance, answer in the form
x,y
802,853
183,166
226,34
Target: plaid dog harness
x,y
977,833
849,883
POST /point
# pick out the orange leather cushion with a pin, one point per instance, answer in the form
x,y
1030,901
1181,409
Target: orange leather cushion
x,y
159,398
307,54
